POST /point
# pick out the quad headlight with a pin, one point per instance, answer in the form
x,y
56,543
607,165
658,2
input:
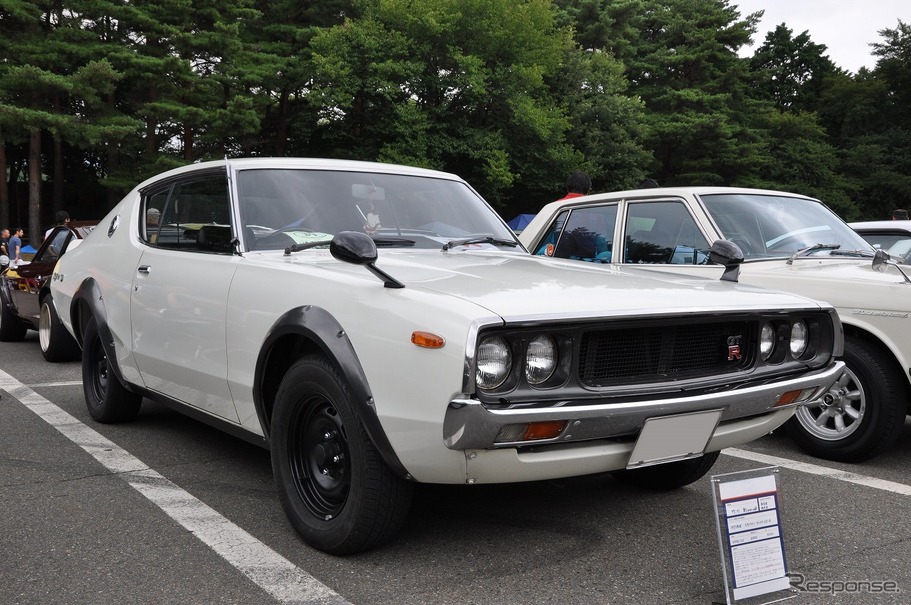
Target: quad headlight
x,y
767,339
506,362
800,338
540,359
782,339
494,362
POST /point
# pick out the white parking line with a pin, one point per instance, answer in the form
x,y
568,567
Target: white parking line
x,y
278,576
66,383
815,469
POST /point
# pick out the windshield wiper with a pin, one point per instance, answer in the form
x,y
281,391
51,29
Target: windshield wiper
x,y
860,253
480,240
388,242
306,246
813,248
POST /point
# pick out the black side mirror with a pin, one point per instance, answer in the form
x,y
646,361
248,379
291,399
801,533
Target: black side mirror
x,y
359,249
729,254
880,258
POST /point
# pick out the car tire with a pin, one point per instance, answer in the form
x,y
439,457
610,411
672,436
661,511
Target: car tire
x,y
861,415
664,477
335,488
57,344
107,399
11,328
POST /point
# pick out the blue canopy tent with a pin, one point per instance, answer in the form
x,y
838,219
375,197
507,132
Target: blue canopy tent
x,y
520,222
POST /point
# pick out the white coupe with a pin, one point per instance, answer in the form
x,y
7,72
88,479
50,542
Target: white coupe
x,y
376,326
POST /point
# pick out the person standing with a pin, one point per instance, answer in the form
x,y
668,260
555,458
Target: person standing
x,y
577,185
15,248
4,249
63,218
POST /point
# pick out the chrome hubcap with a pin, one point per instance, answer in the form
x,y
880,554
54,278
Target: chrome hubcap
x,y
839,413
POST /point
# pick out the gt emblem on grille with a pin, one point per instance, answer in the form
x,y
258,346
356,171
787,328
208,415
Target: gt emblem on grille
x,y
734,352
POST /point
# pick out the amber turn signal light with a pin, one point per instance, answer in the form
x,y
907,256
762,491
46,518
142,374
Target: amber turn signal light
x,y
427,340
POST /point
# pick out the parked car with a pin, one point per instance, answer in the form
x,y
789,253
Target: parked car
x,y
892,236
790,242
258,301
25,298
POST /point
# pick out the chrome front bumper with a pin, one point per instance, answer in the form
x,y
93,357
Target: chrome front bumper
x,y
468,424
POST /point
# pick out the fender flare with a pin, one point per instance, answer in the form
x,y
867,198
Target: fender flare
x,y
89,302
322,329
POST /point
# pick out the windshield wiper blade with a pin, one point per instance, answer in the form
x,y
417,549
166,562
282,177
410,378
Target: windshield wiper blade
x,y
480,240
860,253
306,246
388,242
813,248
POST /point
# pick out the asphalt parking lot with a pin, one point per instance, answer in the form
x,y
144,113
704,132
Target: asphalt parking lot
x,y
167,510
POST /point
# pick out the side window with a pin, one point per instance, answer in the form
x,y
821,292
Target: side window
x,y
664,233
546,246
193,215
588,234
56,247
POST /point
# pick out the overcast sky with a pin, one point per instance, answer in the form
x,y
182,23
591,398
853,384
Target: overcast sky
x,y
846,27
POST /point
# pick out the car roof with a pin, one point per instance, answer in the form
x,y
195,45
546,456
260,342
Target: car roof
x,y
904,225
681,192
301,163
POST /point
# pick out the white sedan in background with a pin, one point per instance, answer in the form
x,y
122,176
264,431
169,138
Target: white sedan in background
x,y
892,236
790,242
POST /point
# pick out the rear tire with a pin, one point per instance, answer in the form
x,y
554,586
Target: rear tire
x,y
57,344
665,477
335,488
107,399
861,415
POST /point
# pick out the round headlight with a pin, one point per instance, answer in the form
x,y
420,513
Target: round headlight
x,y
799,338
766,341
540,359
494,362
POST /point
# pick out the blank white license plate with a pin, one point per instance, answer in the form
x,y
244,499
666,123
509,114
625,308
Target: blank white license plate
x,y
669,438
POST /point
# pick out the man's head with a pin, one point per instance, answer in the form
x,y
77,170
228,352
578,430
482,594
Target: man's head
x,y
4,234
899,214
62,217
153,216
579,182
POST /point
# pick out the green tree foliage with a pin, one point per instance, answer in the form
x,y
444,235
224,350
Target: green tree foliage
x,y
469,86
511,94
681,61
790,70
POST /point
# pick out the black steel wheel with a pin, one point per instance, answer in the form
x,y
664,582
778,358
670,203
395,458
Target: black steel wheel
x,y
107,399
332,482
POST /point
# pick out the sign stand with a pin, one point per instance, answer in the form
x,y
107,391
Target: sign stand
x,y
748,518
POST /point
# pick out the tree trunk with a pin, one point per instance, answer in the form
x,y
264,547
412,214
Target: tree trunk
x,y
58,174
34,188
4,189
187,142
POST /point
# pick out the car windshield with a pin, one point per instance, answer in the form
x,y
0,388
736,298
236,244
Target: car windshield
x,y
767,226
283,207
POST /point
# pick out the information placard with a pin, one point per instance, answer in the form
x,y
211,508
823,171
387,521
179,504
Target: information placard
x,y
748,516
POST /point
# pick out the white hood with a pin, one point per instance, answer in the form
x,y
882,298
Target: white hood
x,y
518,285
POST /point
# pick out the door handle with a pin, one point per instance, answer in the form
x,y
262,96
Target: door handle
x,y
146,269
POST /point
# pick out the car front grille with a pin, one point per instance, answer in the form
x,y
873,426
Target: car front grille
x,y
660,353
